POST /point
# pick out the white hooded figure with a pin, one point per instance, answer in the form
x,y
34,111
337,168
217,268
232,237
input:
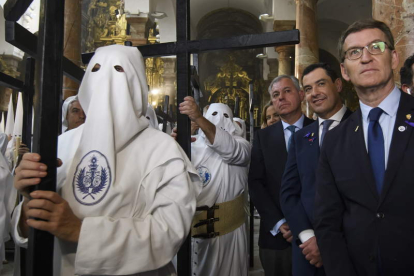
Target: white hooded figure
x,y
222,167
7,197
65,109
242,126
152,117
132,186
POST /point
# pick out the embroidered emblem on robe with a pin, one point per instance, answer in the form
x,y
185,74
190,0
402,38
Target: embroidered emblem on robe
x,y
92,178
204,174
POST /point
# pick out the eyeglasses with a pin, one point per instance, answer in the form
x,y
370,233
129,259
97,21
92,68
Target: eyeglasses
x,y
375,48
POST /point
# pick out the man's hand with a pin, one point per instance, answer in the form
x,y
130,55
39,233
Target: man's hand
x,y
28,173
190,108
56,216
285,230
311,251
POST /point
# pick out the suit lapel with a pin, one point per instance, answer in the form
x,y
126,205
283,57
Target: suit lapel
x,y
399,140
357,146
278,140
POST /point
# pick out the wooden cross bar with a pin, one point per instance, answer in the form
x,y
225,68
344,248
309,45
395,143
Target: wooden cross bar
x,y
21,38
49,88
10,82
14,9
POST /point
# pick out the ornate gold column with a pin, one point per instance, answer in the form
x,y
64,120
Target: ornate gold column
x,y
307,51
72,42
170,76
398,15
286,51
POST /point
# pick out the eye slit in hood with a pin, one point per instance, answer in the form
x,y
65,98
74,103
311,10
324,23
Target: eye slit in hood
x,y
119,68
96,67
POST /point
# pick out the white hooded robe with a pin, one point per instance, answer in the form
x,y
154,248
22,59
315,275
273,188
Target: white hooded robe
x,y
223,169
132,186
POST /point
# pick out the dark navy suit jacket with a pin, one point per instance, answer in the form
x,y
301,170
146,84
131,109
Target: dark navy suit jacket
x,y
358,229
266,170
297,193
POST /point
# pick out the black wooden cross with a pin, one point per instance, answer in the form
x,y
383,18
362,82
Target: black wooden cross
x,y
48,51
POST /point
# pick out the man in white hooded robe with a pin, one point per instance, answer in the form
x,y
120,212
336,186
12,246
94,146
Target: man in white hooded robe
x,y
7,197
126,192
221,159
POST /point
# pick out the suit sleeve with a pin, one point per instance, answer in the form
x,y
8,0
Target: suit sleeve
x,y
259,194
290,193
329,209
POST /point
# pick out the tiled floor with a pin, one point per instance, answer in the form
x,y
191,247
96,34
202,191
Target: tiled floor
x,y
254,271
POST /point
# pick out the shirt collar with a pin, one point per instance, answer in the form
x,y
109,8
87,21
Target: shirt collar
x,y
336,117
298,123
389,104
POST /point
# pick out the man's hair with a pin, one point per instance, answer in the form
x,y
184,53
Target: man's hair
x,y
279,78
406,72
328,70
363,25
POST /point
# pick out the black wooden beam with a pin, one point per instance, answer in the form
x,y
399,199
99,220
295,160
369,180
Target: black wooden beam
x,y
49,89
28,102
14,9
205,45
183,122
10,82
21,38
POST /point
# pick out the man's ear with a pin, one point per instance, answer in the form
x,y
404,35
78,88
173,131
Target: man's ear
x,y
344,72
395,59
405,88
301,95
338,84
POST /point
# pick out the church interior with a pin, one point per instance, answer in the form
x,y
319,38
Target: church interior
x,y
223,75
238,78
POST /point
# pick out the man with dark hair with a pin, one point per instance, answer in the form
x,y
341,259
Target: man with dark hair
x,y
364,185
407,76
322,87
269,156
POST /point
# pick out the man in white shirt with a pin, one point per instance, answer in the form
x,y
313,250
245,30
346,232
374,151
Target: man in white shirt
x,y
267,165
364,185
322,87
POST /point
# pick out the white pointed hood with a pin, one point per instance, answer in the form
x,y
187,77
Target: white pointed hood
x,y
111,100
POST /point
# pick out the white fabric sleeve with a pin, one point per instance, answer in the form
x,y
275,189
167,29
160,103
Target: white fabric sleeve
x,y
165,206
18,239
306,235
234,150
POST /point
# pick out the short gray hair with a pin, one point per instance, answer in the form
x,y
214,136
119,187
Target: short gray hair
x,y
279,78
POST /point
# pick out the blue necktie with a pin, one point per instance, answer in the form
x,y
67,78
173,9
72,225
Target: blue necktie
x,y
325,128
376,150
291,129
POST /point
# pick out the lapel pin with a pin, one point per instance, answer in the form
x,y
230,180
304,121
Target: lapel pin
x,y
356,128
312,134
402,128
408,116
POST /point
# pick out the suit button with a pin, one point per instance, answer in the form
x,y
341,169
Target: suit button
x,y
380,215
371,258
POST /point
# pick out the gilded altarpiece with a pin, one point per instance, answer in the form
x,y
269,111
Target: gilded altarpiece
x,y
230,83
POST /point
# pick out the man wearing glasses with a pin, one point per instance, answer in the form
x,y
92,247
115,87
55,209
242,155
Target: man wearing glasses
x,y
365,179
